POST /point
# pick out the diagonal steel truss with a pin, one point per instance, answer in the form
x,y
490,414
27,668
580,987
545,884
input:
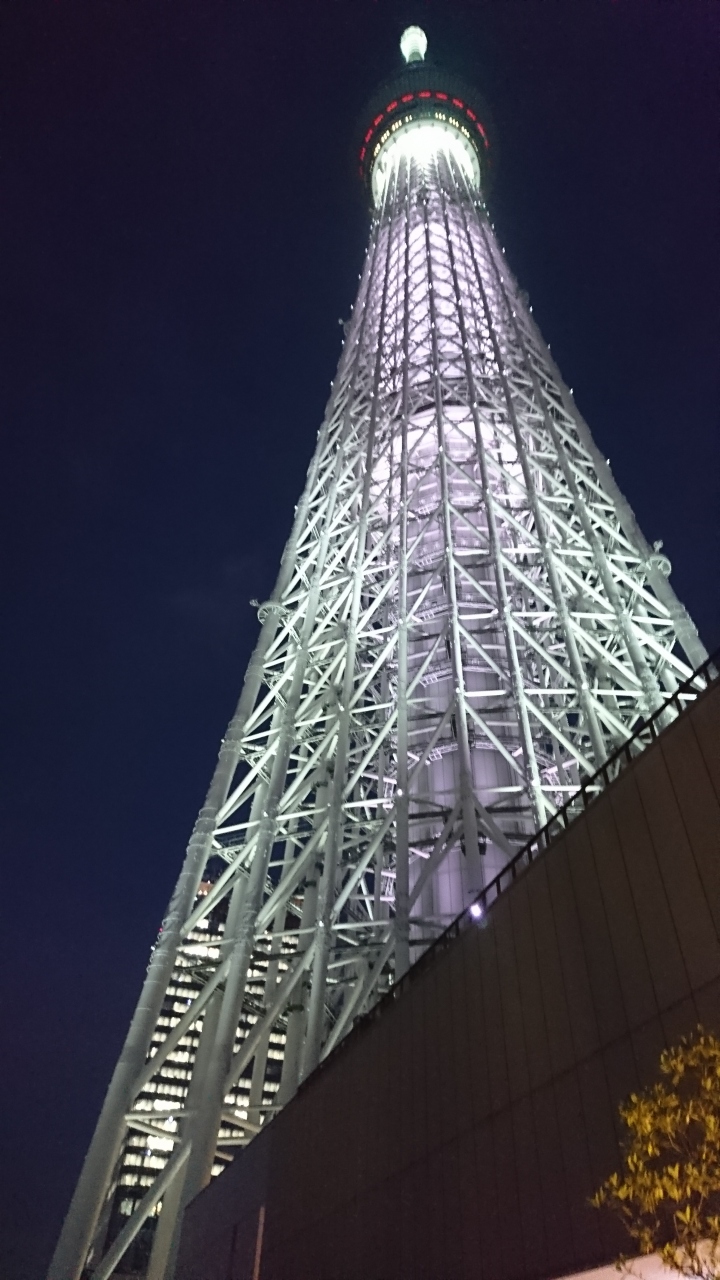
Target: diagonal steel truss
x,y
466,623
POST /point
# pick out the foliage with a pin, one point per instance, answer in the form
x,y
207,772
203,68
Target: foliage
x,y
668,1193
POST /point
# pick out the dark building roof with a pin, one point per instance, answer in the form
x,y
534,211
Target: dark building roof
x,y
461,1132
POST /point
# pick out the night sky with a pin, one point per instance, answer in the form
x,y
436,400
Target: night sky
x,y
181,231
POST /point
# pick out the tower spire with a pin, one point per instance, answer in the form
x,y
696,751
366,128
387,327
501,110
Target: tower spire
x,y
466,623
413,44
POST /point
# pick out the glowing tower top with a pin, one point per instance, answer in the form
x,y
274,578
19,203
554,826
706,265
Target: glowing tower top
x,y
413,44
414,110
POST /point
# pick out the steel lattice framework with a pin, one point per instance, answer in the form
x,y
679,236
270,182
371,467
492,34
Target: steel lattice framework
x,y
466,623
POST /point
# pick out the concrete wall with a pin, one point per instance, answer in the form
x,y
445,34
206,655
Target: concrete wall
x,y
461,1133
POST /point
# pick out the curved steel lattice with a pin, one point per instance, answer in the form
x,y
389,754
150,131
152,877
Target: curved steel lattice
x,y
466,624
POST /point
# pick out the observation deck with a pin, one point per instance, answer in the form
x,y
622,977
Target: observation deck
x,y
427,100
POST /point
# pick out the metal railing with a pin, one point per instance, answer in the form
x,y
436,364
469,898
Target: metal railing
x,y
589,790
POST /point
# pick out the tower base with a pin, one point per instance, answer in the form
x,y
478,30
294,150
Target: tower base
x,y
461,1132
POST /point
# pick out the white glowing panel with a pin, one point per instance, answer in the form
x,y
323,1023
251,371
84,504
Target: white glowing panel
x,y
421,140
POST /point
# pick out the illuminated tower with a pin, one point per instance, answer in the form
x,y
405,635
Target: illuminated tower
x,y
467,622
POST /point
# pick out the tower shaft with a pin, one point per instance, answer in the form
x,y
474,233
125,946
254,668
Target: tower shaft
x,y
467,622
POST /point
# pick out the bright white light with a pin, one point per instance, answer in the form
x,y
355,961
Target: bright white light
x,y
476,911
421,140
413,44
160,1144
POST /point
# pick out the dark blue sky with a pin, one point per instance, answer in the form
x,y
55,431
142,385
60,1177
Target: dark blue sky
x,y
181,230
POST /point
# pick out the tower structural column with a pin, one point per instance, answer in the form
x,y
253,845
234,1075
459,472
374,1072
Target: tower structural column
x,y
466,623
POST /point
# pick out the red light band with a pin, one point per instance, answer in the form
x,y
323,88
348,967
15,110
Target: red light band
x,y
425,94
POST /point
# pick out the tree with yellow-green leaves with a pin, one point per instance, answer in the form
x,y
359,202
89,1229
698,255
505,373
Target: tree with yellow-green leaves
x,y
668,1192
